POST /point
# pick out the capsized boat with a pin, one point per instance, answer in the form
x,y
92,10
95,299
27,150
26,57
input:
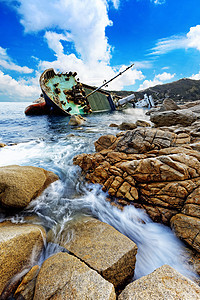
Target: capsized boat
x,y
64,95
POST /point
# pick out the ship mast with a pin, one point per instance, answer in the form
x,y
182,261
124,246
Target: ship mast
x,y
105,83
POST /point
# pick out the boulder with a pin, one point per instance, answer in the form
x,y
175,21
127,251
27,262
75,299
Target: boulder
x,y
169,104
19,185
101,247
63,276
169,118
141,123
127,126
76,120
113,125
20,246
163,283
2,145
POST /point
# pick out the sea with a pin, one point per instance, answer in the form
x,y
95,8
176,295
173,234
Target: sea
x,y
51,143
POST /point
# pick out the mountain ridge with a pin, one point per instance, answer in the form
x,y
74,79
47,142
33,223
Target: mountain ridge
x,y
182,90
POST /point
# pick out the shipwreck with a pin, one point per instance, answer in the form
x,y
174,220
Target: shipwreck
x,y
63,94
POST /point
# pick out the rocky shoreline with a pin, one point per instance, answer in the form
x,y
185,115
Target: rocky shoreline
x,y
154,166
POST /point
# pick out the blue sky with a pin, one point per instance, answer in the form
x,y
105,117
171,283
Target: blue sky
x,y
97,39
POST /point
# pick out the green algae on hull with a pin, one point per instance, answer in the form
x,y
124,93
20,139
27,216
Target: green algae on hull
x,y
65,95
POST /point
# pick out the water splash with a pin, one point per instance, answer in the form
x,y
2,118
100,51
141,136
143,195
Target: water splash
x,y
46,144
157,244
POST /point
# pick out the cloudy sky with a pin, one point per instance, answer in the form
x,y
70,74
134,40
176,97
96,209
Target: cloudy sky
x,y
97,39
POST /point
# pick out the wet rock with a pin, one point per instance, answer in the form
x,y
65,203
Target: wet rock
x,y
106,142
161,181
141,123
113,125
26,288
70,135
63,276
20,246
2,145
187,228
193,258
127,126
76,120
19,185
101,247
169,118
163,283
147,167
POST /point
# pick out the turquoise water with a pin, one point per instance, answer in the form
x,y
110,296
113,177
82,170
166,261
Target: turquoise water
x,y
49,142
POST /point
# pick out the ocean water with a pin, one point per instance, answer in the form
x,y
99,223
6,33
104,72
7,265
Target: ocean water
x,y
49,142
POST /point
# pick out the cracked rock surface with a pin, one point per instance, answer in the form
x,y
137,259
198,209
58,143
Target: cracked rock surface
x,y
158,170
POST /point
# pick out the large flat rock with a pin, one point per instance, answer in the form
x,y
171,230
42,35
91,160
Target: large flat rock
x,y
19,246
63,276
171,117
101,247
164,283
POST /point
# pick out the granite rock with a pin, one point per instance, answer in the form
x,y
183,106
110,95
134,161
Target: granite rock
x,y
101,247
63,276
163,283
20,245
21,184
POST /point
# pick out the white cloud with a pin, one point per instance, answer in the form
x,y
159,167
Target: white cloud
x,y
3,52
165,76
143,64
195,76
193,37
53,40
18,90
75,32
7,63
158,79
158,1
169,44
149,83
190,40
94,67
85,21
93,73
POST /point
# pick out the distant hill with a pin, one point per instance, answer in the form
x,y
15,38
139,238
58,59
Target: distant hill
x,y
181,91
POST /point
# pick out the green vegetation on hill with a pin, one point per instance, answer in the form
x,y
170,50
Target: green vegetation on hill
x,y
182,90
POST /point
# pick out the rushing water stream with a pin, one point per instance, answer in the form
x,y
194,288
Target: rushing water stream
x,y
49,142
